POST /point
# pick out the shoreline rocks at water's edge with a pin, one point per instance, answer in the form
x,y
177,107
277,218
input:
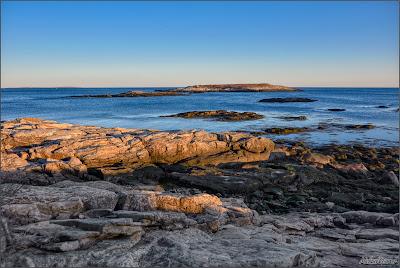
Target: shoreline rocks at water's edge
x,y
113,197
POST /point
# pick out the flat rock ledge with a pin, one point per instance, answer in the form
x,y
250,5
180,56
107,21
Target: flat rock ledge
x,y
263,87
219,115
98,223
133,94
84,196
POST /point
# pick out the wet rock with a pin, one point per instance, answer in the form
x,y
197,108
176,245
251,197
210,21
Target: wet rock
x,y
336,110
282,100
277,156
284,131
219,115
218,184
361,127
294,118
337,126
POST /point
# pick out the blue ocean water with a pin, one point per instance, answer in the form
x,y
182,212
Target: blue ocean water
x,y
360,104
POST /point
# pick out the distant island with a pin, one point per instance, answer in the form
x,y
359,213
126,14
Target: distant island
x,y
263,87
132,94
196,89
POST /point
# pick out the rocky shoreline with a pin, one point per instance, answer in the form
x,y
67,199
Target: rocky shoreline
x,y
80,196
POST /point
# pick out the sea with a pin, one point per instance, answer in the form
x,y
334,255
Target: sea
x,y
360,104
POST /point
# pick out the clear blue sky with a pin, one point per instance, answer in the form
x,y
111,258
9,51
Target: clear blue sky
x,y
183,43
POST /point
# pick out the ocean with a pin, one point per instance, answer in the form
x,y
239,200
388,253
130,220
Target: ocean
x,y
361,106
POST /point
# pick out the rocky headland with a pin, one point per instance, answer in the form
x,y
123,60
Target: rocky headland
x,y
263,87
78,196
219,115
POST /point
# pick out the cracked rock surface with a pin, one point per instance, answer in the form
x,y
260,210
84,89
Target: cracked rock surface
x,y
78,196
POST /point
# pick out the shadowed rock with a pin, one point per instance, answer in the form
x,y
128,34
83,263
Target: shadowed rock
x,y
294,118
284,131
283,100
336,126
219,115
366,126
336,110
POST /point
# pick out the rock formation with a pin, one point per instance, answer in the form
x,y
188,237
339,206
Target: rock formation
x,y
219,115
78,196
133,94
264,87
283,100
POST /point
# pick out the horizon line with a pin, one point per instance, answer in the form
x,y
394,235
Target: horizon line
x,y
136,87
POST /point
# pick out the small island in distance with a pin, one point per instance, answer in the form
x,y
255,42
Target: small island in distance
x,y
264,87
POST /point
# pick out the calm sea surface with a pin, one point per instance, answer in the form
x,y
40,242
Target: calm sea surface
x,y
360,104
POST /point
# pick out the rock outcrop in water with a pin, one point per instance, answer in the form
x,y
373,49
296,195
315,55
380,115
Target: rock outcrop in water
x,y
283,100
294,118
219,115
88,196
263,87
133,94
288,130
336,110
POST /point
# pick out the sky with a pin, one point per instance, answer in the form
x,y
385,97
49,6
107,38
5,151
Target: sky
x,y
165,44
